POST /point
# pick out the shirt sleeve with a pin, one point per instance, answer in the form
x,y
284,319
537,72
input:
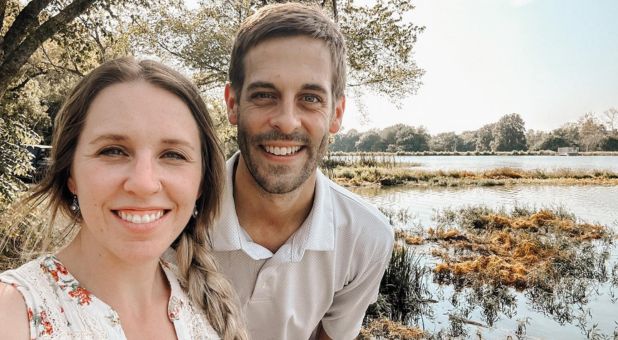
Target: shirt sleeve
x,y
344,318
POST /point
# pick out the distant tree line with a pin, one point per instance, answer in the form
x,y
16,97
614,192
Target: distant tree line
x,y
589,133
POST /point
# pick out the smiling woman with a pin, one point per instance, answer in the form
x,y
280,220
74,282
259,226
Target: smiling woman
x,y
138,170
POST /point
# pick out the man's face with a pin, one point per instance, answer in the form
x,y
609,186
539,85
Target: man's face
x,y
286,111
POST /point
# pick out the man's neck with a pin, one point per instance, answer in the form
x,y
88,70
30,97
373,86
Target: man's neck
x,y
270,219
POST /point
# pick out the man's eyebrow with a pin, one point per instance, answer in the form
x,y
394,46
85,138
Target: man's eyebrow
x,y
315,87
266,85
260,85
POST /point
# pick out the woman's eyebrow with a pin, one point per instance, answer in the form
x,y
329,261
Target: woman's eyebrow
x,y
174,141
109,137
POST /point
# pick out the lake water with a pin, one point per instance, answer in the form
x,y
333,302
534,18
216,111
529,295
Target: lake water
x,y
590,203
595,204
476,163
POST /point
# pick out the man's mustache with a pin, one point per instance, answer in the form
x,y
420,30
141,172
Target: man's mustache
x,y
277,135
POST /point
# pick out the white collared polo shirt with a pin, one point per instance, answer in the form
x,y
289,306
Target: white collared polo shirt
x,y
329,270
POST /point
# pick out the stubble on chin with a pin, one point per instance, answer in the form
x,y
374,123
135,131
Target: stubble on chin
x,y
279,179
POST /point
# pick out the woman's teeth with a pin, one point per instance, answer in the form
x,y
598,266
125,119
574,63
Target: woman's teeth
x,y
139,219
281,151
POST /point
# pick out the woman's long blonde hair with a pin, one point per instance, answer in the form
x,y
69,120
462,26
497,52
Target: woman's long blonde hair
x,y
206,287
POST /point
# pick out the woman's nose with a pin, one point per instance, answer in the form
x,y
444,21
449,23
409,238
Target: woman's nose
x,y
143,177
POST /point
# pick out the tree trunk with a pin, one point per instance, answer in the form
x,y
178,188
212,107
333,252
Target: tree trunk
x,y
14,54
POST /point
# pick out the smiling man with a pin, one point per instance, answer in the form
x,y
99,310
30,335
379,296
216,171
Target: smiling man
x,y
305,255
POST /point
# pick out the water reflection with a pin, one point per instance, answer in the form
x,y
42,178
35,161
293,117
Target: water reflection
x,y
590,203
573,297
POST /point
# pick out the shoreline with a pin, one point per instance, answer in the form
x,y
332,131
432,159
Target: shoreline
x,y
361,176
469,153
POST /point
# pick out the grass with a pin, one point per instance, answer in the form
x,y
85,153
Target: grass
x,y
403,296
387,329
518,249
381,176
486,255
473,153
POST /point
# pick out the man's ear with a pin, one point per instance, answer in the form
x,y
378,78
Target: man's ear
x,y
231,103
335,122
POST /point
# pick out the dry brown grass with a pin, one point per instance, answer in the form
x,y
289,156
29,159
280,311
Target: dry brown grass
x,y
387,329
398,175
508,250
408,238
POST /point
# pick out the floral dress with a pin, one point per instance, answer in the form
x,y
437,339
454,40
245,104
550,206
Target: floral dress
x,y
59,308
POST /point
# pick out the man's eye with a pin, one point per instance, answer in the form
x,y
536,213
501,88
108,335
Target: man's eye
x,y
309,98
112,151
262,95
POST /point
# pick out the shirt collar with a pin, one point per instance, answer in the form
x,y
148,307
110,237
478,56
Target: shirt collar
x,y
316,233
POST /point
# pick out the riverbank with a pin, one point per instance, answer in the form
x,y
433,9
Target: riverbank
x,y
468,153
393,175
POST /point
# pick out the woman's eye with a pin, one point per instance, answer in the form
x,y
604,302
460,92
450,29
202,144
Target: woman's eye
x,y
174,155
112,152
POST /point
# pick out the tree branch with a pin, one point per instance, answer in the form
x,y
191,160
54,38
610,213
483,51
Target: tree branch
x,y
2,11
18,57
51,63
28,78
25,22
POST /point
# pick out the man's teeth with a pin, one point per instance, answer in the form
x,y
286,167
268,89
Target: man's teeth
x,y
139,219
282,151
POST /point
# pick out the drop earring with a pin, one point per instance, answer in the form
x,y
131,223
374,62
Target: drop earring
x,y
75,205
195,212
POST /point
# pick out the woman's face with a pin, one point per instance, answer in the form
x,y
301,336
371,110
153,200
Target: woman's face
x,y
136,172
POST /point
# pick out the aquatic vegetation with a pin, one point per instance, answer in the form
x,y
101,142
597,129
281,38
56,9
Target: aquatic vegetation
x,y
517,249
408,238
490,258
404,296
404,174
387,329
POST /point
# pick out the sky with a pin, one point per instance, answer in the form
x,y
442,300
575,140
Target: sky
x,y
551,61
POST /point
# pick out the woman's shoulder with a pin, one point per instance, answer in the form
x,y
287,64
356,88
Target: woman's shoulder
x,y
20,293
13,312
36,284
28,276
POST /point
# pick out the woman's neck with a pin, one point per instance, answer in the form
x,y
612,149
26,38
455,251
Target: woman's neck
x,y
120,284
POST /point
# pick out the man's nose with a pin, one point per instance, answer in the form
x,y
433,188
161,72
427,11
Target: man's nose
x,y
286,119
143,177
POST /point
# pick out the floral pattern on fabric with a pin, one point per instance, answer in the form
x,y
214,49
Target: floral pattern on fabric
x,y
65,281
59,308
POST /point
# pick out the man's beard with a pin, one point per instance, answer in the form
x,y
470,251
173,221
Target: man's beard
x,y
279,179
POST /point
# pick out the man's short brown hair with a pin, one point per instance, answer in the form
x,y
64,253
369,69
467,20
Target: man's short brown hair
x,y
288,20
